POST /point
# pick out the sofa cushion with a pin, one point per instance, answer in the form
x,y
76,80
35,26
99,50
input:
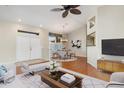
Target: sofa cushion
x,y
38,67
93,83
3,70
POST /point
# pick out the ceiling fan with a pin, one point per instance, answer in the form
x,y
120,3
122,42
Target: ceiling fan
x,y
68,8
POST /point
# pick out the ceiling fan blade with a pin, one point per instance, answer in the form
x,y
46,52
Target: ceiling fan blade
x,y
65,13
57,9
66,7
74,6
75,11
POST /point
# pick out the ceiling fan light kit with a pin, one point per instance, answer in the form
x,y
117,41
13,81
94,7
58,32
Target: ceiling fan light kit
x,y
68,8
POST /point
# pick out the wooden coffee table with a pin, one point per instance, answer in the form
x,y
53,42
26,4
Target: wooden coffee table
x,y
55,82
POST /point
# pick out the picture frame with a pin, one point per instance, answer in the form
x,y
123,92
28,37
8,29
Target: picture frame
x,y
91,39
91,22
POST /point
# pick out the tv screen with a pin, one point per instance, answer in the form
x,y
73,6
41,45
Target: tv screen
x,y
113,47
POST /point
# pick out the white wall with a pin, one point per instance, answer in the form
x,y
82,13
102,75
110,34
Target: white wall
x,y
110,26
7,42
79,34
92,53
8,33
44,43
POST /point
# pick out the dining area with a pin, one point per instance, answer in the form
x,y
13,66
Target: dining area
x,y
64,55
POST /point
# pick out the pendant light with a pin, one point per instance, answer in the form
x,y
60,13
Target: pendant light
x,y
64,38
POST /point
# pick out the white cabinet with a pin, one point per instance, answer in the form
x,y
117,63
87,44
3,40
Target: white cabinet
x,y
27,48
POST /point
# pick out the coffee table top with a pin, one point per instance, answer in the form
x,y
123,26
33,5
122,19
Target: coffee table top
x,y
55,80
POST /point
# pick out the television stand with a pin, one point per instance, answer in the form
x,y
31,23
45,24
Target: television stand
x,y
110,65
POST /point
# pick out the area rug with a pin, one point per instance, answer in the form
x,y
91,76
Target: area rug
x,y
28,81
35,81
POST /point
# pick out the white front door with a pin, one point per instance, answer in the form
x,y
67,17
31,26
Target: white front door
x,y
35,48
22,48
28,47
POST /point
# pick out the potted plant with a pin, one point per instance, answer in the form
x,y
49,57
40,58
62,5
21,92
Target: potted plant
x,y
53,68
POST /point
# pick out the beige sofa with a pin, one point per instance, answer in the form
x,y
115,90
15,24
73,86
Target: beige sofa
x,y
35,65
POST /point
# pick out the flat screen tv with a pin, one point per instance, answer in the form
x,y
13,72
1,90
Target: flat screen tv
x,y
113,47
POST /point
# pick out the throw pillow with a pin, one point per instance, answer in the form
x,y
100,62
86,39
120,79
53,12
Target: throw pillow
x,y
3,70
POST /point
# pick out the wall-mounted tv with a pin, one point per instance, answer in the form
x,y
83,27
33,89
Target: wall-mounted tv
x,y
113,47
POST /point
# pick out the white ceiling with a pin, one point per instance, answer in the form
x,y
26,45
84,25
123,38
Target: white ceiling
x,y
51,21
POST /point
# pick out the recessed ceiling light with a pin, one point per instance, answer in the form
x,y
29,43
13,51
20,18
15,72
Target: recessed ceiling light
x,y
19,20
41,25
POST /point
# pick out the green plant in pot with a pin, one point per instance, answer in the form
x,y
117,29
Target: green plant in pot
x,y
53,68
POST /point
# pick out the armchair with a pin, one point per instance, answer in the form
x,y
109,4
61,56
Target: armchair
x,y
116,80
9,75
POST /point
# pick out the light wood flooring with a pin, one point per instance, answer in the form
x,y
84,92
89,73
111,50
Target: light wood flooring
x,y
83,67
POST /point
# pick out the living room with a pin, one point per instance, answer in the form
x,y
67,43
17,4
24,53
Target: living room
x,y
25,45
